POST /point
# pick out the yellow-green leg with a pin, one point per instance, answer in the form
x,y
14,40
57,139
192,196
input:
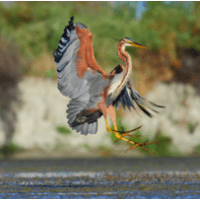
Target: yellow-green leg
x,y
120,136
117,133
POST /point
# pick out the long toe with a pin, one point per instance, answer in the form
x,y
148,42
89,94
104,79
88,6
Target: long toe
x,y
127,132
142,146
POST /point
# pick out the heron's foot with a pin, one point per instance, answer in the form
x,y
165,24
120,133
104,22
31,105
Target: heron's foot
x,y
108,129
142,146
120,135
126,133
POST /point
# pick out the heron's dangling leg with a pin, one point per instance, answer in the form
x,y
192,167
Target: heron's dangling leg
x,y
126,133
121,137
117,133
120,134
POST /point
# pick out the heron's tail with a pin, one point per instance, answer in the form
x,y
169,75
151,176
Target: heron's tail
x,y
129,96
80,120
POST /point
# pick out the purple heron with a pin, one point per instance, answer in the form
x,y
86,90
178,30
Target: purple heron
x,y
94,93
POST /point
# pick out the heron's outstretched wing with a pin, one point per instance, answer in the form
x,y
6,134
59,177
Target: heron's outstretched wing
x,y
79,76
75,61
129,96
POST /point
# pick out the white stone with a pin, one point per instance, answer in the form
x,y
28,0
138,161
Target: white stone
x,y
43,109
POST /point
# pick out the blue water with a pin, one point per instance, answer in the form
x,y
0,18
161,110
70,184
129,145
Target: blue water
x,y
150,178
151,185
130,196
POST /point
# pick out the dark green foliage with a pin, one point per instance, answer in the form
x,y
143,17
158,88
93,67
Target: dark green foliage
x,y
196,150
173,24
106,151
10,149
37,26
159,149
162,148
63,130
125,9
86,146
51,73
192,127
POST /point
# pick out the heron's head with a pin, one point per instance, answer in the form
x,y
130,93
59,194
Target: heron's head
x,y
128,42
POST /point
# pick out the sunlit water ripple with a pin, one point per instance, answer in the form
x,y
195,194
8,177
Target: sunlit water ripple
x,y
29,179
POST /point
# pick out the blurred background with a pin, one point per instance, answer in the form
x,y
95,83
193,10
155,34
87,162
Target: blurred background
x,y
33,120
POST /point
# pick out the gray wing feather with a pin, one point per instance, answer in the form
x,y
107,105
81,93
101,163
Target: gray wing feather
x,y
88,128
79,127
69,83
85,128
92,128
72,118
85,91
95,127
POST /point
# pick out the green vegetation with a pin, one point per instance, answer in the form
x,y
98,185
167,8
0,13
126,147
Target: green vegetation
x,y
86,146
10,149
197,150
106,151
37,26
58,147
51,73
191,127
63,130
162,148
171,24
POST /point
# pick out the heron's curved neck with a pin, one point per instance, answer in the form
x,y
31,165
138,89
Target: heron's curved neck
x,y
125,57
119,81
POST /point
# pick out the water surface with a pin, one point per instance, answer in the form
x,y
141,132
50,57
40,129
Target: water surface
x,y
101,178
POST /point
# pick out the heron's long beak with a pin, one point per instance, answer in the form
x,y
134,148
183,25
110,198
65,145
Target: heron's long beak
x,y
135,44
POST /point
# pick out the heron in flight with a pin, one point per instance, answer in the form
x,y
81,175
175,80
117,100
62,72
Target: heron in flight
x,y
94,93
